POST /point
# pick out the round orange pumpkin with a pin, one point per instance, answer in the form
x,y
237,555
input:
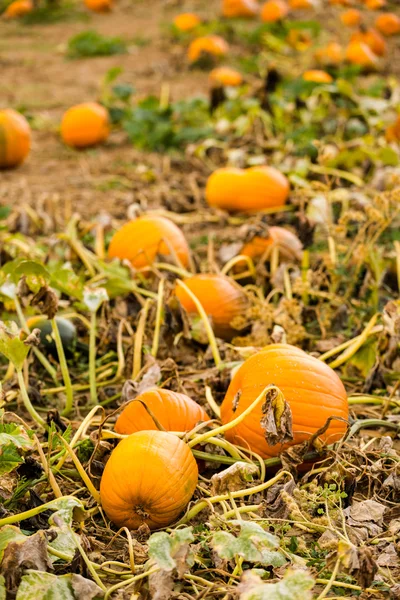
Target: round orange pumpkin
x,y
15,138
312,389
85,125
226,76
373,39
375,4
360,54
388,24
209,45
149,479
317,76
247,190
240,8
331,54
274,10
302,4
351,17
142,240
99,6
289,245
19,8
187,21
175,412
221,298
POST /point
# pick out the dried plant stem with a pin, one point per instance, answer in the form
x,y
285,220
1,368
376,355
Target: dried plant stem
x,y
351,350
86,560
28,405
138,343
80,431
173,269
64,369
305,267
27,514
78,465
159,314
129,581
92,358
211,402
348,343
52,480
331,581
241,258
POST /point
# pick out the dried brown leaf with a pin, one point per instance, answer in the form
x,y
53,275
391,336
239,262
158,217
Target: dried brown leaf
x,y
235,477
277,418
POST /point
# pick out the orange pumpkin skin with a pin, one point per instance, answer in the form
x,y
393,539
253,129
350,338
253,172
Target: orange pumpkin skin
x,y
211,45
142,240
312,389
99,6
301,4
391,134
373,39
240,8
175,412
274,10
149,478
19,8
187,21
388,24
289,245
317,76
226,76
331,54
15,138
351,18
85,125
221,298
375,4
360,54
247,190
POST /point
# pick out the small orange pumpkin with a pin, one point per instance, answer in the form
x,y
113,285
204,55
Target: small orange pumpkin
x,y
373,39
360,54
289,245
240,8
149,479
226,76
247,190
317,76
388,24
85,125
175,412
99,6
375,4
312,389
331,54
141,240
187,21
17,9
221,298
302,4
391,134
274,10
351,17
210,45
15,138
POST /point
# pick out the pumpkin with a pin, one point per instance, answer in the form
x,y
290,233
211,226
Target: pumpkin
x,y
149,479
175,412
351,17
274,10
331,54
187,21
302,4
66,329
340,2
15,138
240,8
391,134
209,45
375,4
397,126
247,190
140,241
99,6
388,24
19,8
317,76
360,54
289,245
226,76
85,125
372,38
312,389
222,299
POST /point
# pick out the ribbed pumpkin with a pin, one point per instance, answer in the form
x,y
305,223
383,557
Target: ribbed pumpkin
x,y
311,388
226,76
372,38
85,125
99,6
331,54
317,76
187,21
388,24
274,10
221,298
247,190
360,54
142,240
19,8
149,479
209,45
289,245
15,138
351,17
240,8
174,411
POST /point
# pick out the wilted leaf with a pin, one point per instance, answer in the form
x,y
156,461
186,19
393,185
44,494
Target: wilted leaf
x,y
22,554
15,434
47,301
35,274
233,478
35,585
161,585
254,544
166,549
85,589
8,534
93,298
11,345
277,418
295,585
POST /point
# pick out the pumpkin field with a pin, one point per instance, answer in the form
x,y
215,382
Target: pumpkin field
x,y
200,299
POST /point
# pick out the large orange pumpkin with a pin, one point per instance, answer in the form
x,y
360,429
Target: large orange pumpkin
x,y
19,8
317,76
99,6
312,389
187,21
221,298
247,190
372,38
360,54
388,24
209,45
289,245
240,8
175,412
226,76
149,479
15,138
274,10
85,125
142,240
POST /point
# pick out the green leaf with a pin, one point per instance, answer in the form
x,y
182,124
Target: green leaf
x,y
11,345
67,281
163,547
36,275
91,43
2,588
295,585
36,584
16,434
9,458
388,156
254,544
61,522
